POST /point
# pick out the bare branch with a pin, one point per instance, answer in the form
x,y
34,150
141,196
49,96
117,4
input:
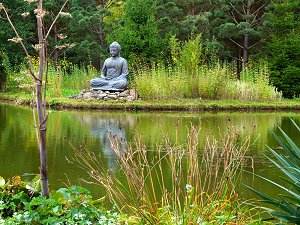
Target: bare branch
x,y
236,43
257,11
31,69
232,16
257,43
236,9
54,21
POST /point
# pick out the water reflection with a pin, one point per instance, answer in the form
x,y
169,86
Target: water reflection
x,y
19,153
107,128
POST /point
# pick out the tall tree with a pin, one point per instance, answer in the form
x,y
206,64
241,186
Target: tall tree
x,y
183,18
138,31
283,47
238,25
88,29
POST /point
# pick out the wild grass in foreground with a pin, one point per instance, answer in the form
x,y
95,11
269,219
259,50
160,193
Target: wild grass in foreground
x,y
175,184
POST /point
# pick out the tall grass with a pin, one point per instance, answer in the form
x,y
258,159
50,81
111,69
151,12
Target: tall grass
x,y
174,184
65,80
191,76
207,82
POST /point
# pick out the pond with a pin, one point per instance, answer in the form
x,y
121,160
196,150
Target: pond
x,y
19,154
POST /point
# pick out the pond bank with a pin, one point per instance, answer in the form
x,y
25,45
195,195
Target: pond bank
x,y
153,105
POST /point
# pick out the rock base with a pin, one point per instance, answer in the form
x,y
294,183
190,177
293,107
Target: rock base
x,y
127,95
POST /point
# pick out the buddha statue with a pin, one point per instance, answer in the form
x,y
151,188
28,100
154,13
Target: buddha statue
x,y
114,72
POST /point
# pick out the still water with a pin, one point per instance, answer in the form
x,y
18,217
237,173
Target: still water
x,y
19,154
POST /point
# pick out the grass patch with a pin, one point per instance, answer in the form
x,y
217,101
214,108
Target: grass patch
x,y
24,98
217,82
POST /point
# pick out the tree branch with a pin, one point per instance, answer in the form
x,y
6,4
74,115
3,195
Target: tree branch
x,y
257,43
236,43
31,69
54,21
233,18
236,9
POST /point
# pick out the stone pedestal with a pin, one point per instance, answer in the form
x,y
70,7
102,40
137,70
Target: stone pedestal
x,y
127,95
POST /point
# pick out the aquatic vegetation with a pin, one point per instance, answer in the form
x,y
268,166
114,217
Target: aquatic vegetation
x,y
203,187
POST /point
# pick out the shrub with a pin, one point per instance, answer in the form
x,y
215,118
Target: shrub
x,y
207,82
21,203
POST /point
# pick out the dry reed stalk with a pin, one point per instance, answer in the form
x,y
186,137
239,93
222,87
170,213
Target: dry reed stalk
x,y
196,180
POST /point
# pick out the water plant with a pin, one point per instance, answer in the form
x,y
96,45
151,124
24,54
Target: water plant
x,y
286,206
174,184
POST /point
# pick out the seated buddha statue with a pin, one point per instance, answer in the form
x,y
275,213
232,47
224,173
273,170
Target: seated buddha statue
x,y
114,72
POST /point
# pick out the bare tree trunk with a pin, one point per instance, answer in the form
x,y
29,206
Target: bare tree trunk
x,y
55,50
246,38
246,50
239,65
39,101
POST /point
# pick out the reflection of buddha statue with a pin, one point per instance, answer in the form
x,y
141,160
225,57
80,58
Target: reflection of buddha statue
x,y
114,72
104,129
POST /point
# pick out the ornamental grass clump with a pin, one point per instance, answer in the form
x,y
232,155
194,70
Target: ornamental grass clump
x,y
174,184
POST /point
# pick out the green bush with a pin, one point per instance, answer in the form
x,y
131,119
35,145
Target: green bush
x,y
21,203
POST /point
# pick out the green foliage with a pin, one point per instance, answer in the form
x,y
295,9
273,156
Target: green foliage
x,y
67,79
138,32
286,207
86,30
284,50
22,204
188,55
231,21
208,82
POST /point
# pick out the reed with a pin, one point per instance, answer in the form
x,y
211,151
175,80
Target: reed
x,y
174,184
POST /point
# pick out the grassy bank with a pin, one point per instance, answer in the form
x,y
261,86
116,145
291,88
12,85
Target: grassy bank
x,y
174,104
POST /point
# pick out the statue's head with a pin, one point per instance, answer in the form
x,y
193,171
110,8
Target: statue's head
x,y
115,49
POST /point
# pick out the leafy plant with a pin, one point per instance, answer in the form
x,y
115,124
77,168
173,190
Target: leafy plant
x,y
286,206
21,203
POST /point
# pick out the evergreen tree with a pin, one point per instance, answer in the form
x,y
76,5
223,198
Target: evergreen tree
x,y
138,32
24,21
238,25
284,47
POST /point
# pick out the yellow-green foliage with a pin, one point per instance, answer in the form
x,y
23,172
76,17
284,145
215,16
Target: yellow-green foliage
x,y
66,79
161,83
207,82
188,55
191,78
